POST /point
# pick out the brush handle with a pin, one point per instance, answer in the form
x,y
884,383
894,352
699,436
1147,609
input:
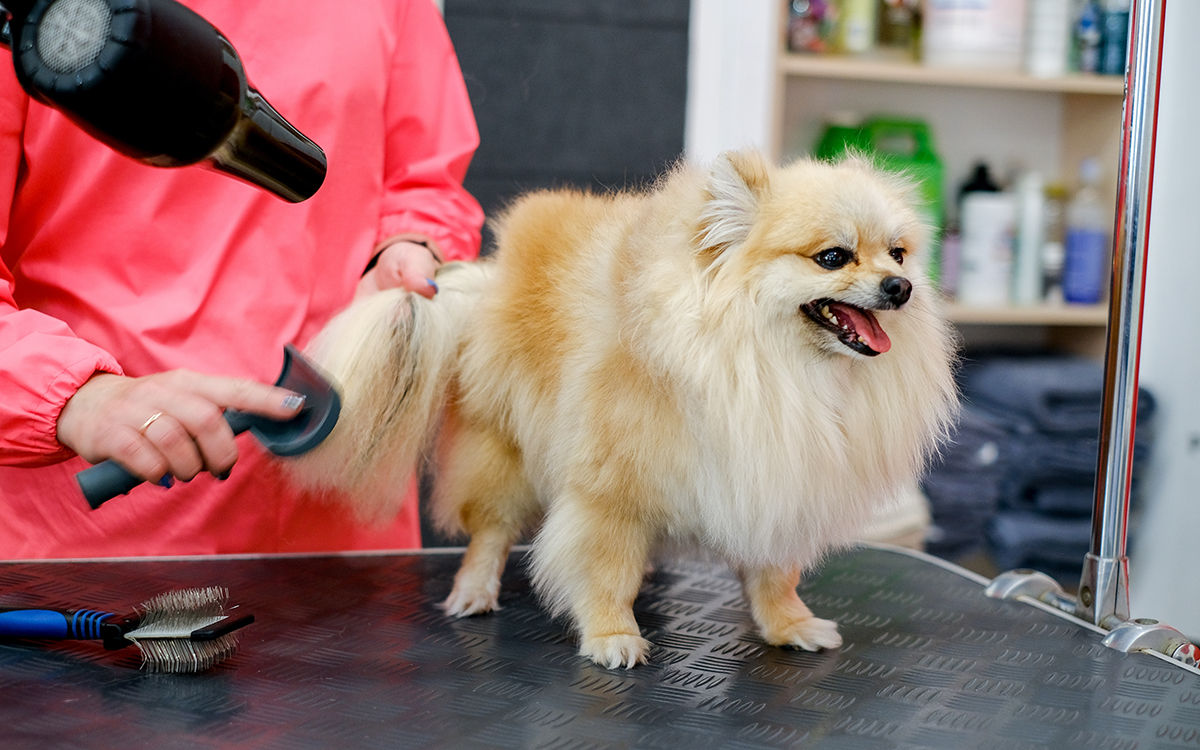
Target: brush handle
x,y
107,479
83,624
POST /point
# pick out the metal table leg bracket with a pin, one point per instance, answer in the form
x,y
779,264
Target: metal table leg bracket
x,y
1150,635
1031,584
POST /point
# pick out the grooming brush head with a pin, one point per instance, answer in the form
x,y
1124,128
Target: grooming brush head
x,y
186,631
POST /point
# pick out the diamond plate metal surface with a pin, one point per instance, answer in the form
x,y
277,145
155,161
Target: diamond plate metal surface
x,y
352,652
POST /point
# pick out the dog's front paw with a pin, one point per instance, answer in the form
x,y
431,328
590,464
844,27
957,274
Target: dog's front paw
x,y
614,651
465,601
810,634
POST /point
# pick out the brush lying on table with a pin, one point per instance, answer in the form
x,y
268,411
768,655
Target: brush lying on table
x,y
178,631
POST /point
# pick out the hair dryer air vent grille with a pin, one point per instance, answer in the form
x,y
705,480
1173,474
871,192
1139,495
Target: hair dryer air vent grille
x,y
72,33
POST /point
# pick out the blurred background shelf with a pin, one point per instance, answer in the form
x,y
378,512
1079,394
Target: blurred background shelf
x,y
1065,329
905,71
1036,315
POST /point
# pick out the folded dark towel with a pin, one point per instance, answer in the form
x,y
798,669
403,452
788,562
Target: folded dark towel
x,y
1053,499
963,485
1055,546
978,444
1055,394
1018,475
958,534
1057,473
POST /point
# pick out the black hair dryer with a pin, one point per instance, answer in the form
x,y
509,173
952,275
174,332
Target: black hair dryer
x,y
155,81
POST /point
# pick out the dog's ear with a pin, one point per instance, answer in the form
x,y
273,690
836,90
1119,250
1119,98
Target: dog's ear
x,y
736,182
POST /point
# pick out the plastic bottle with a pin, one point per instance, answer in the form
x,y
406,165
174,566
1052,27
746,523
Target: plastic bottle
x,y
1087,37
899,27
987,217
1052,250
811,25
1052,268
986,247
1115,28
973,33
858,25
1030,237
951,279
980,181
1086,245
1048,40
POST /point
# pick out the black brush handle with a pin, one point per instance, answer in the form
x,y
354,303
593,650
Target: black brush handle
x,y
107,479
104,481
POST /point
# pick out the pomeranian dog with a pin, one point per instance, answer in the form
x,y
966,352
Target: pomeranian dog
x,y
743,357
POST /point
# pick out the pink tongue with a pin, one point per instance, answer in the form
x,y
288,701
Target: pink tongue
x,y
864,324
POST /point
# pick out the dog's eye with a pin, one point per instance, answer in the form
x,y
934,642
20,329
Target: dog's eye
x,y
897,254
833,258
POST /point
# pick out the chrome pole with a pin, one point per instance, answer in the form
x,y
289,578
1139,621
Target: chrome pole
x,y
1104,584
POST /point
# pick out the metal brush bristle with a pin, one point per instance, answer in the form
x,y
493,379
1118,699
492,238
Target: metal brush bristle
x,y
176,656
178,609
167,622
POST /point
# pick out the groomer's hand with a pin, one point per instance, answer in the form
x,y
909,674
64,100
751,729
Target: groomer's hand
x,y
168,423
402,264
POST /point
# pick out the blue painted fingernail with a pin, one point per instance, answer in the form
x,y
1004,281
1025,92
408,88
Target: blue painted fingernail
x,y
433,284
224,475
167,481
294,401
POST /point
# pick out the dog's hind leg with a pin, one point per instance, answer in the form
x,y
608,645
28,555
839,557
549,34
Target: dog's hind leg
x,y
481,490
589,560
784,620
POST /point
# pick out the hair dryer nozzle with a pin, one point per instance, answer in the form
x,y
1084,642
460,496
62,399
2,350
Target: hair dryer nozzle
x,y
264,149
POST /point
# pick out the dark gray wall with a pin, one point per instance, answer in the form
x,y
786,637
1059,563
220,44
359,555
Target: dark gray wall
x,y
587,93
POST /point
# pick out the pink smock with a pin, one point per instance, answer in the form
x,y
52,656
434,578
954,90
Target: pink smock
x,y
110,265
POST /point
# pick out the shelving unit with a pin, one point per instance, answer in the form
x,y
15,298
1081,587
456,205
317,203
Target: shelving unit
x,y
1074,329
1012,120
1052,315
902,71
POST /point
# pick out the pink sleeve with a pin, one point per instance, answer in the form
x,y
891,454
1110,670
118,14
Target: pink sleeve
x,y
42,363
431,137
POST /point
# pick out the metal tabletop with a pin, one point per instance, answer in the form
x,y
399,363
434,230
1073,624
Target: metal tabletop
x,y
353,652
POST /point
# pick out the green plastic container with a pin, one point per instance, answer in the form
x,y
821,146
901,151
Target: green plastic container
x,y
902,146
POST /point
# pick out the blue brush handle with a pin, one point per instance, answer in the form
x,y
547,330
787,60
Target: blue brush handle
x,y
83,624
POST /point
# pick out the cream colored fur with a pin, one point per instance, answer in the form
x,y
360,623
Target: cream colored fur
x,y
635,370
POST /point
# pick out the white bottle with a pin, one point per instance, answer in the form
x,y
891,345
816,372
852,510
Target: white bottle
x,y
1086,244
858,25
1048,39
1030,237
986,250
973,33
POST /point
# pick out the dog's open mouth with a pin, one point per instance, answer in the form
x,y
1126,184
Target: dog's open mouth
x,y
855,327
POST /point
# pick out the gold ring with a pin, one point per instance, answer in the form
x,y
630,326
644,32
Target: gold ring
x,y
148,422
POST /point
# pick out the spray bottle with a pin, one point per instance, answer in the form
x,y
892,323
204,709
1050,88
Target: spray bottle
x,y
1086,245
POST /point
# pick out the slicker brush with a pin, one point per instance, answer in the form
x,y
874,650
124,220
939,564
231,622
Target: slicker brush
x,y
177,632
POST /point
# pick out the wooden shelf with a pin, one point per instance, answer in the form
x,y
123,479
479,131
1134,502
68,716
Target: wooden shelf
x,y
902,71
1037,315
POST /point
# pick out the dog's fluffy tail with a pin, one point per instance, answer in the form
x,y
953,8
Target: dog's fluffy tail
x,y
392,355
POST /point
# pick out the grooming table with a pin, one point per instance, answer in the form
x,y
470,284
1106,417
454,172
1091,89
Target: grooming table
x,y
353,652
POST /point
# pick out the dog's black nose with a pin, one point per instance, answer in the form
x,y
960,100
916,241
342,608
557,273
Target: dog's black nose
x,y
897,289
